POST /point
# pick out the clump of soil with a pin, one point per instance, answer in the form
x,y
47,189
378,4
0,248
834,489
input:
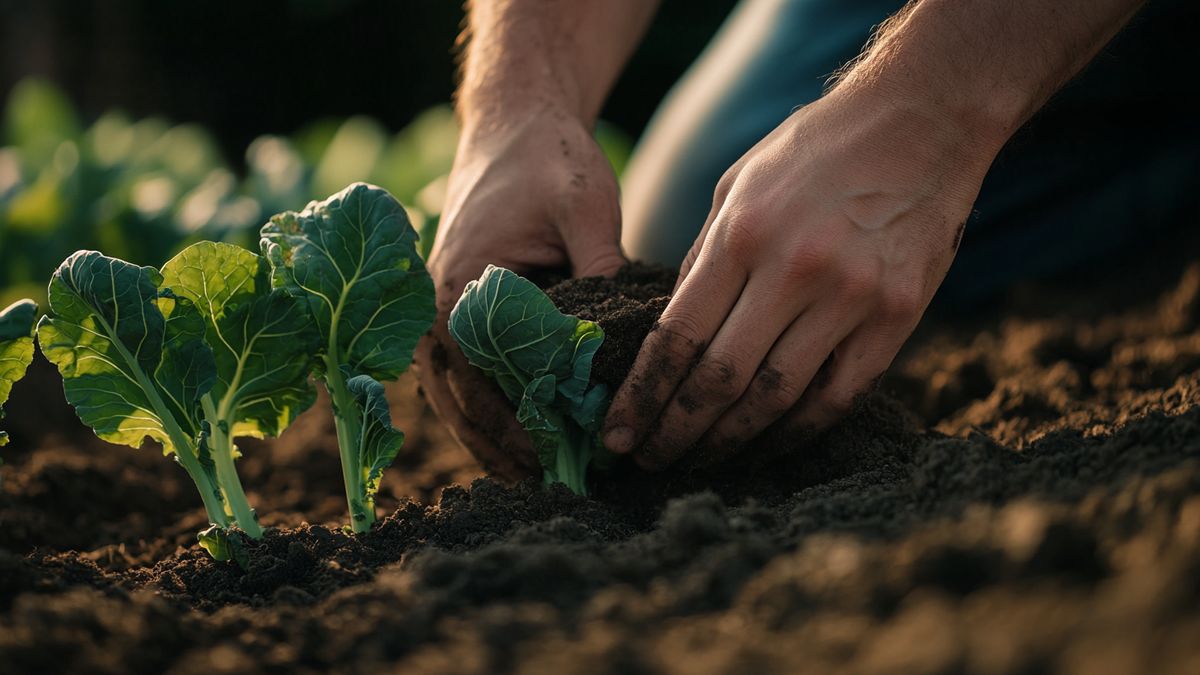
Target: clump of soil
x,y
1022,497
626,307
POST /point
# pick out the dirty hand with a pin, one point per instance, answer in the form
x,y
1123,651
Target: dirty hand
x,y
533,192
825,243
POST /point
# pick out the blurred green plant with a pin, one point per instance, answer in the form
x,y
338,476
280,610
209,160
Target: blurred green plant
x,y
142,190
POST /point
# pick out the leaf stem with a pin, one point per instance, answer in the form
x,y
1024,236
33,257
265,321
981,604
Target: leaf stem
x,y
185,447
211,494
221,445
347,420
571,460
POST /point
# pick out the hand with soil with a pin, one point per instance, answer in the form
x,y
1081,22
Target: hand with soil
x,y
824,244
827,240
530,188
536,193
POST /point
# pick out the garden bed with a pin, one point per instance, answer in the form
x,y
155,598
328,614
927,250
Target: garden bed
x,y
1023,495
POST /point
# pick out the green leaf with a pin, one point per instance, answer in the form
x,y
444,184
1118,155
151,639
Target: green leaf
x,y
133,364
133,361
511,330
224,545
542,360
262,339
352,259
380,442
543,426
16,348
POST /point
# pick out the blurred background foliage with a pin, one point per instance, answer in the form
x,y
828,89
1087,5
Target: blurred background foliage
x,y
137,126
141,189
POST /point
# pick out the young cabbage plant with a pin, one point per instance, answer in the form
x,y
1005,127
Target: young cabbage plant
x,y
352,260
16,348
262,340
542,360
134,362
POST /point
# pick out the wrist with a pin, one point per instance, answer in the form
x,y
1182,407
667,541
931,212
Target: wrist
x,y
490,113
528,121
904,70
985,121
517,84
967,138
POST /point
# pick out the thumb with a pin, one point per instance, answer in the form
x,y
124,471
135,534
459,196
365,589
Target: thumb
x,y
594,244
601,259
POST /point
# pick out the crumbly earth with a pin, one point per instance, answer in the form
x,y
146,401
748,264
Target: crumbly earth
x,y
1022,497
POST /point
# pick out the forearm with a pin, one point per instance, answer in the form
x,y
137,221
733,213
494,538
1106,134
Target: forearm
x,y
537,53
986,64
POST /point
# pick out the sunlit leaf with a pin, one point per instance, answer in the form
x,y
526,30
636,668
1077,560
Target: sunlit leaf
x,y
380,441
542,360
16,348
352,259
129,371
262,339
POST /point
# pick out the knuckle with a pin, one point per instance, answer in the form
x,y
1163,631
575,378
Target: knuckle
x,y
716,379
740,230
774,391
806,263
724,186
900,305
678,334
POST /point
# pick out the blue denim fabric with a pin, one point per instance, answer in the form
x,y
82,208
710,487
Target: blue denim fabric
x,y
1114,156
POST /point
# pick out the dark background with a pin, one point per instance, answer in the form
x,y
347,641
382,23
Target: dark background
x,y
250,67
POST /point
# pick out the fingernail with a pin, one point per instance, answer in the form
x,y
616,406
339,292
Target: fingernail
x,y
619,440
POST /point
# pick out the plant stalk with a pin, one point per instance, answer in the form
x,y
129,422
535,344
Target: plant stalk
x,y
348,423
209,493
571,460
230,483
185,447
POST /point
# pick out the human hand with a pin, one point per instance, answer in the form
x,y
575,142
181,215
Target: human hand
x,y
824,245
533,192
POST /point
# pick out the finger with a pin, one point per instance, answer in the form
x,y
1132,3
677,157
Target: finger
x,y
860,362
720,194
678,339
781,379
689,261
594,252
763,312
591,231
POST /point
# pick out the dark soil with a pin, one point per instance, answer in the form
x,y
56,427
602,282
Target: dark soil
x,y
1022,497
625,306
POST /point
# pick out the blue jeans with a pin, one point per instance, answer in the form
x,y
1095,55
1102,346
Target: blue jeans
x,y
1113,158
